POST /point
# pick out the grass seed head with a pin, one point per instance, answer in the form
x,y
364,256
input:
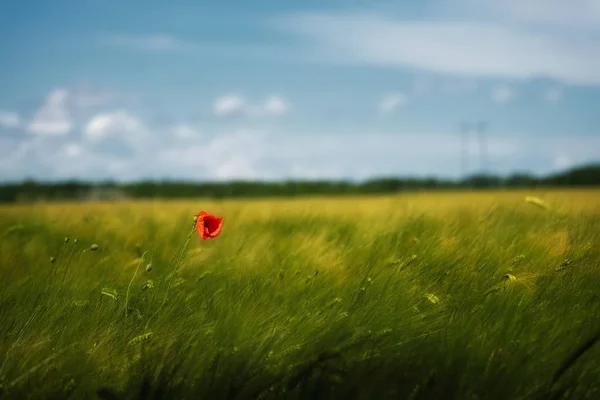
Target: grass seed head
x,y
384,332
94,247
141,338
111,293
149,267
518,259
52,260
563,265
148,285
536,201
67,239
343,315
333,302
433,299
408,261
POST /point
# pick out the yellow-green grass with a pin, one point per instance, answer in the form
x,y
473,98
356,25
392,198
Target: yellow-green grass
x,y
466,295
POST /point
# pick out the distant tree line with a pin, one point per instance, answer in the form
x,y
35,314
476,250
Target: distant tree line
x,y
73,190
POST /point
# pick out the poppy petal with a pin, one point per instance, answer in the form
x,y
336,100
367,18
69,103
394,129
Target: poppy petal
x,y
208,226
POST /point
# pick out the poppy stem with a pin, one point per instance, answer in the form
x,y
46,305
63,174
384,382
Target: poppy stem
x,y
162,278
180,253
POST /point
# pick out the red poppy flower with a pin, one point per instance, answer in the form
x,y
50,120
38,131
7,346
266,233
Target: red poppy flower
x,y
208,226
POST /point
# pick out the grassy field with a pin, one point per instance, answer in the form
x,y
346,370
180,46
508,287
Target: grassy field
x,y
419,296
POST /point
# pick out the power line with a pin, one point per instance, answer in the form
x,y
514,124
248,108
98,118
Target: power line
x,y
481,128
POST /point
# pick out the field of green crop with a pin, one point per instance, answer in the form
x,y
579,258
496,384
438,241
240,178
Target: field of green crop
x,y
417,296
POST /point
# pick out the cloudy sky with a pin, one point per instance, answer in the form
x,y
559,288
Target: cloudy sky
x,y
272,89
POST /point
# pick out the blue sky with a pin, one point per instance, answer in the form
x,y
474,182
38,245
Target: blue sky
x,y
271,89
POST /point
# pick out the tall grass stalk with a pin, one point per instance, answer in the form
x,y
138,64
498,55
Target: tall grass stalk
x,y
172,268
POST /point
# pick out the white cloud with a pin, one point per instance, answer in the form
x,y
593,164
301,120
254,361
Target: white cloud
x,y
230,155
552,95
9,119
307,170
234,104
16,161
481,46
562,162
73,150
239,167
275,105
229,105
86,98
502,94
102,125
245,154
392,102
576,14
53,117
269,154
183,131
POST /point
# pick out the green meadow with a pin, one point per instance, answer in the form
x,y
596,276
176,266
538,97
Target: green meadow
x,y
466,295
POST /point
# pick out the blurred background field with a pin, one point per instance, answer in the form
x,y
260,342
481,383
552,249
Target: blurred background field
x,y
466,295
